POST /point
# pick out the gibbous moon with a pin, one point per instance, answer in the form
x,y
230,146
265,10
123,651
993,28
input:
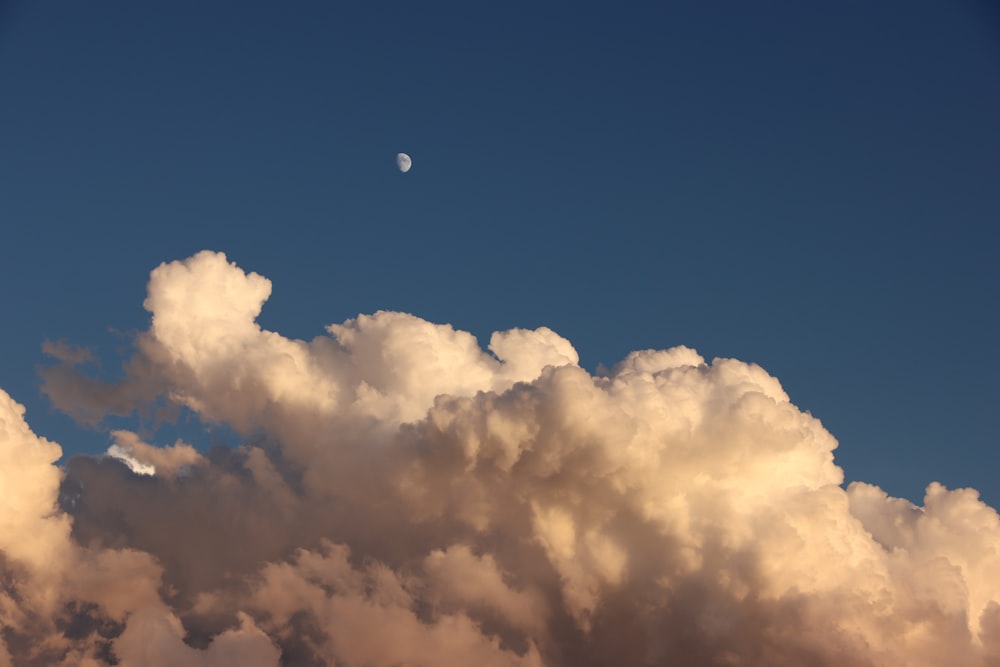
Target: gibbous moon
x,y
404,162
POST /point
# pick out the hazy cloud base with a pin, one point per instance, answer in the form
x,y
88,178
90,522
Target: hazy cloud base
x,y
406,498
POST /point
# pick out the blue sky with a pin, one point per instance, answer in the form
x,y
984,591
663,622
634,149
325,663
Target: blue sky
x,y
813,189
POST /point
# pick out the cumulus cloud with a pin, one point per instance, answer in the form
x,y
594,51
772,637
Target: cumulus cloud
x,y
404,497
60,601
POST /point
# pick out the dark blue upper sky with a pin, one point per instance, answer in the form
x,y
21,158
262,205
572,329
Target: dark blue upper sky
x,y
814,187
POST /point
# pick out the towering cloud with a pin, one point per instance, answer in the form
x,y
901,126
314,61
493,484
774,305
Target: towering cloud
x,y
405,497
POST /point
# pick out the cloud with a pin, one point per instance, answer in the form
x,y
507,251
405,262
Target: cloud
x,y
67,353
59,599
156,639
402,496
145,459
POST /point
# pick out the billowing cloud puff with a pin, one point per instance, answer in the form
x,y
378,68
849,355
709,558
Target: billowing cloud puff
x,y
405,497
59,601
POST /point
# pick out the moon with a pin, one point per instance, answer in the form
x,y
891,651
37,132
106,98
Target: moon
x,y
404,162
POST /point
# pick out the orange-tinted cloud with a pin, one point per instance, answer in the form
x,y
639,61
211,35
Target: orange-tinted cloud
x,y
404,497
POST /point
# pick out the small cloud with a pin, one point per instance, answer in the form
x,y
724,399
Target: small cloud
x,y
139,468
67,353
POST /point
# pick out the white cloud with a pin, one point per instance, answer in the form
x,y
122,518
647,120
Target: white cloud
x,y
412,499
